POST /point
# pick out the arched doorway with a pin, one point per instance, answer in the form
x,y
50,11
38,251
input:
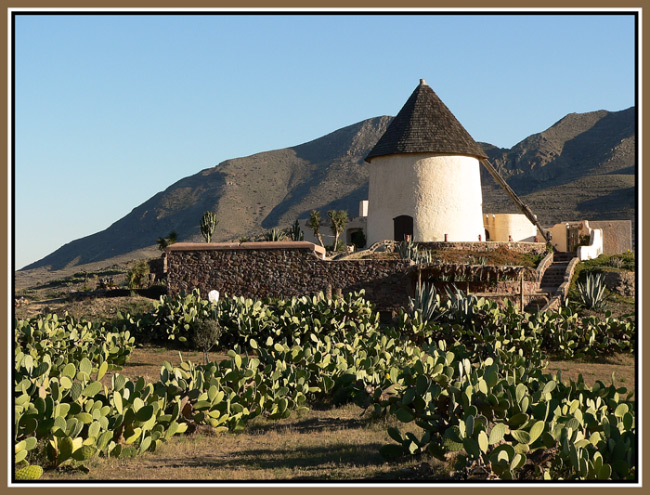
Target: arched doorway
x,y
402,226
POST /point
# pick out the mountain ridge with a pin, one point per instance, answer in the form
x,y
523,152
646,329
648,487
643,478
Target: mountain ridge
x,y
557,172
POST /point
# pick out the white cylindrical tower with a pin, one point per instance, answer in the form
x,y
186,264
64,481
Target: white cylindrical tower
x,y
424,176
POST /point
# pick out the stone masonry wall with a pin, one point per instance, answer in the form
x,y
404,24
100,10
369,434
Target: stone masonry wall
x,y
518,247
276,270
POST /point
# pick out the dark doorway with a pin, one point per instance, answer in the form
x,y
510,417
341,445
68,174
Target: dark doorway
x,y
357,237
403,226
573,238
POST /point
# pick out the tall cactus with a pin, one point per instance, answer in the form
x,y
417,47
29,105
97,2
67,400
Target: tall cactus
x,y
295,233
208,224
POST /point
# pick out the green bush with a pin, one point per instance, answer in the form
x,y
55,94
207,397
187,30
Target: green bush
x,y
137,276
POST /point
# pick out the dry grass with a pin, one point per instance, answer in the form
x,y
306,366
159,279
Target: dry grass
x,y
323,445
621,365
97,308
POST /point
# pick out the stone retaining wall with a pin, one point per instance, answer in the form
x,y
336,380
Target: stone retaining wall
x,y
518,247
283,269
621,282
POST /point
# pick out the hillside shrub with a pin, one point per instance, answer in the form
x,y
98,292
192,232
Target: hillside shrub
x,y
137,276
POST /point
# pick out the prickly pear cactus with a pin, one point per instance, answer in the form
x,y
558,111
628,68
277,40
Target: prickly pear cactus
x,y
29,473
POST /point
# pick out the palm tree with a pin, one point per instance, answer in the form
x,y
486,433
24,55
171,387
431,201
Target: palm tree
x,y
163,242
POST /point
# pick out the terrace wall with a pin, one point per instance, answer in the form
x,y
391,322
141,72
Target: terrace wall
x,y
283,269
517,247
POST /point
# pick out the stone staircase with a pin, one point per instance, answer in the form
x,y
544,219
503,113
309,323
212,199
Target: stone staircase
x,y
554,274
551,280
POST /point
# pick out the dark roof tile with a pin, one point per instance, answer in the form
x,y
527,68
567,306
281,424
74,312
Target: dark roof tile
x,y
425,125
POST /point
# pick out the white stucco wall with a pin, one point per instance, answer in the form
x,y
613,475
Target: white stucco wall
x,y
503,225
442,193
595,247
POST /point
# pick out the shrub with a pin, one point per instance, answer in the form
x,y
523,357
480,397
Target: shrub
x,y
137,275
205,335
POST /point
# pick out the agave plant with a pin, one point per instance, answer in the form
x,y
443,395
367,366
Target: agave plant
x,y
426,302
407,250
275,235
422,257
592,292
461,307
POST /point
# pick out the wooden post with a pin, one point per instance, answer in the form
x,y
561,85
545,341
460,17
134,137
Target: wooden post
x,y
522,206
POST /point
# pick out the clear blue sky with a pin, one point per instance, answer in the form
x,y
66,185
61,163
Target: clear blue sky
x,y
112,109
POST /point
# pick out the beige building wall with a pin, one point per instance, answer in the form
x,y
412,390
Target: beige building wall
x,y
617,235
442,193
503,225
559,237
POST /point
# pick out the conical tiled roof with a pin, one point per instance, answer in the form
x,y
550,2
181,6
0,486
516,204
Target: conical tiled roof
x,y
425,125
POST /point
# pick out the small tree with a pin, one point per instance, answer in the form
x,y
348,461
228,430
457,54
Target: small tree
x,y
338,221
205,336
208,224
314,224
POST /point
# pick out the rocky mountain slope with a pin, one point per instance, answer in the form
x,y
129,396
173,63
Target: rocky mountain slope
x,y
581,167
